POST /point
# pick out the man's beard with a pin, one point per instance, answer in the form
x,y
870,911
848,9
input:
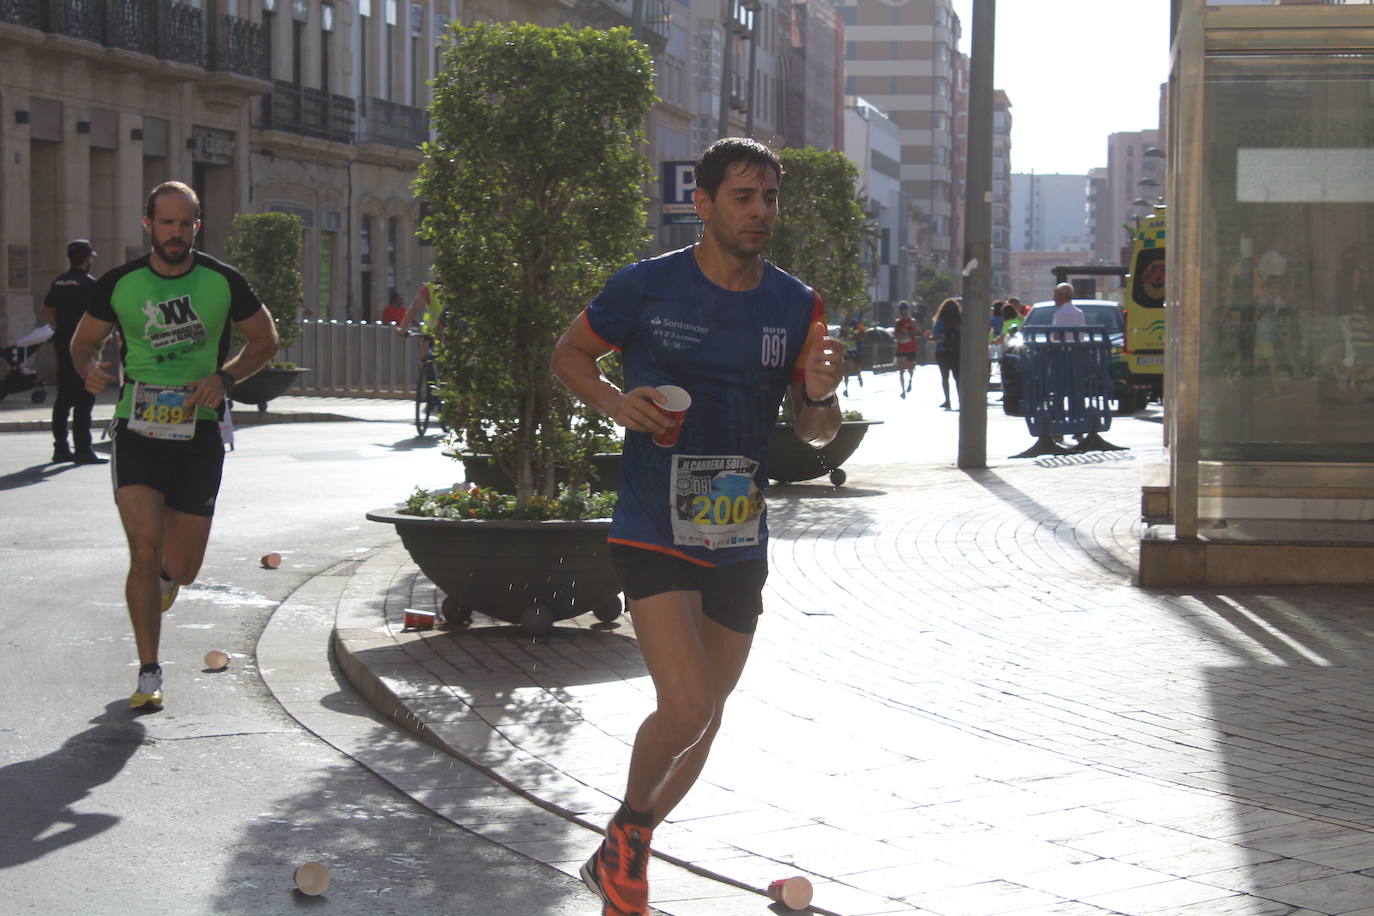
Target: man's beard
x,y
167,256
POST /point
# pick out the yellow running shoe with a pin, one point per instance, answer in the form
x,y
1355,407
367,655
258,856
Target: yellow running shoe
x,y
169,592
149,693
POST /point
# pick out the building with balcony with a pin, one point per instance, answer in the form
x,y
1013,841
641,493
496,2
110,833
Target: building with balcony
x,y
903,58
873,143
99,101
318,108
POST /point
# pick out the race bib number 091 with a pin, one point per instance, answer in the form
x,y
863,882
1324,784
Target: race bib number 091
x,y
161,412
715,502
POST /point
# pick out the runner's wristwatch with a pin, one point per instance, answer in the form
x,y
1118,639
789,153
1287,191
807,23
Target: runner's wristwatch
x,y
823,402
227,378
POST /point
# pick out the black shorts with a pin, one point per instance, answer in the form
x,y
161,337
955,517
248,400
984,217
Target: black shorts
x,y
186,473
731,595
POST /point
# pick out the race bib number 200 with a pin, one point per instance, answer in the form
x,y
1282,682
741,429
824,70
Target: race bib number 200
x,y
161,412
715,502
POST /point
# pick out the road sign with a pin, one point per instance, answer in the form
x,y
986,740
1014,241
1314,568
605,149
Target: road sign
x,y
678,185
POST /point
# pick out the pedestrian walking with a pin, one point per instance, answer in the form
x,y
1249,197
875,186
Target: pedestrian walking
x,y
908,335
173,308
689,536
66,301
946,335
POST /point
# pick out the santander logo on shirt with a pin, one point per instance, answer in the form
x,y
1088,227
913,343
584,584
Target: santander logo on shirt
x,y
676,335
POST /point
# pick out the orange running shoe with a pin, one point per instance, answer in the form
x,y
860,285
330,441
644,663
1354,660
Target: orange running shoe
x,y
619,870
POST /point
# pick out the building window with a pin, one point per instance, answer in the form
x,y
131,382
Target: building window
x,y
326,29
364,26
393,48
417,25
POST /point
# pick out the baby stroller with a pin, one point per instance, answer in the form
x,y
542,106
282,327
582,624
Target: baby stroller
x,y
15,374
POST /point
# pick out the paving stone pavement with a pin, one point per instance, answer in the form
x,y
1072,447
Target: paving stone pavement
x,y
959,702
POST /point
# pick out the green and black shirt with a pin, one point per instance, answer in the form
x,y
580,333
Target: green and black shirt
x,y
175,329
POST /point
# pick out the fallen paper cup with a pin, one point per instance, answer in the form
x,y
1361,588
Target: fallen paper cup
x,y
312,878
675,409
216,660
271,560
419,620
793,893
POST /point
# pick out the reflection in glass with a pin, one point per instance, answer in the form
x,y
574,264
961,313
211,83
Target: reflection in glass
x,y
1288,312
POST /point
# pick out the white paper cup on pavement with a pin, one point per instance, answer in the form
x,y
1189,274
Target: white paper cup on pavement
x,y
312,878
675,410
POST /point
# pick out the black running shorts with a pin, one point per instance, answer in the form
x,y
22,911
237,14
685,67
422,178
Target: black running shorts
x,y
186,473
731,595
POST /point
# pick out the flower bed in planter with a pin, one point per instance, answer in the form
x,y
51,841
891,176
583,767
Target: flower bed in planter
x,y
532,569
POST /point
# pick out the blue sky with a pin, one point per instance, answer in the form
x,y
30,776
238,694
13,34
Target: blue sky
x,y
1104,58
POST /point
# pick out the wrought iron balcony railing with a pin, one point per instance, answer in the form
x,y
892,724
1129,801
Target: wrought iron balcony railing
x,y
310,112
239,46
393,125
159,28
28,13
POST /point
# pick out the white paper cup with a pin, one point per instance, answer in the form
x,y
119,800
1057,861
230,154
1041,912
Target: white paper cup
x,y
312,878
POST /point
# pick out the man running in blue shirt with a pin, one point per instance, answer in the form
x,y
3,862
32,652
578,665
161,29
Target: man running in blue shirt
x,y
689,537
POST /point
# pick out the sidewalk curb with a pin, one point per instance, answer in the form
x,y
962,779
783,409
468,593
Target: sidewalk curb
x,y
242,418
361,626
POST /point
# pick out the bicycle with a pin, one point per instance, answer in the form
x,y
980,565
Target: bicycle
x,y
428,404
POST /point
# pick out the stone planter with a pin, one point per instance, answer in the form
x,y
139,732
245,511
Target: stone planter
x,y
528,573
481,470
264,385
790,459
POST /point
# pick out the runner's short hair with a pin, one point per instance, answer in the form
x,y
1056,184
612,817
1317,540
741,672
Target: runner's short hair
x,y
710,169
168,187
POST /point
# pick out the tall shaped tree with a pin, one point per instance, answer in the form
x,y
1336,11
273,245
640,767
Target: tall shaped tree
x,y
819,235
535,186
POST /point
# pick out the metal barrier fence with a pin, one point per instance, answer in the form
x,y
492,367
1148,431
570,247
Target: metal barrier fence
x,y
354,358
1068,380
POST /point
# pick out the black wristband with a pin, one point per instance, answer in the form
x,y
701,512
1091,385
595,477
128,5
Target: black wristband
x,y
823,402
226,378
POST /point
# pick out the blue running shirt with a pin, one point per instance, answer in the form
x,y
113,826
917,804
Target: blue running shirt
x,y
734,353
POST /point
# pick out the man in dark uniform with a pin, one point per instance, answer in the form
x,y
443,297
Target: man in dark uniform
x,y
63,307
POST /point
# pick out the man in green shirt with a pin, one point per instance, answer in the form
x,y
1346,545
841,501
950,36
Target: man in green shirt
x,y
173,308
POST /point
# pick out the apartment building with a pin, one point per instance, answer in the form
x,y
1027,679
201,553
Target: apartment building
x,y
1000,281
872,142
1131,183
1049,212
903,58
100,101
318,108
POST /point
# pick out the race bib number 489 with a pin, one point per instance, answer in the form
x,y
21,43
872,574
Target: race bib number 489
x,y
715,502
161,412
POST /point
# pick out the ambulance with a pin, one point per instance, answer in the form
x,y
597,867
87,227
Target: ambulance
x,y
1143,308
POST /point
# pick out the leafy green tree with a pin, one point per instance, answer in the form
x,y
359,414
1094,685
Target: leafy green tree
x,y
535,183
932,288
820,232
266,249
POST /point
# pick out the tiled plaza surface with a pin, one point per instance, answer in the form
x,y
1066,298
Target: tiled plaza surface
x,y
958,704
